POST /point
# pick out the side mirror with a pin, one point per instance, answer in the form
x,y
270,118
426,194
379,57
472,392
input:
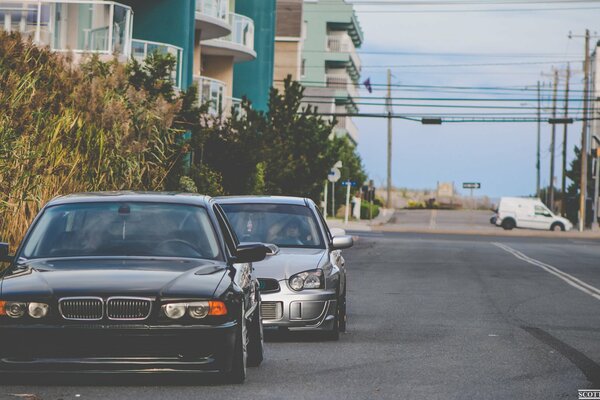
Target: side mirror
x,y
4,257
250,252
337,232
273,249
342,242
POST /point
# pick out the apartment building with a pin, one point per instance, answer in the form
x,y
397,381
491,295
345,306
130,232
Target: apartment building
x,y
330,66
289,39
207,37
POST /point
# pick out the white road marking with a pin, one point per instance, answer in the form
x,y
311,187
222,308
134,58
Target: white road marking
x,y
570,279
432,219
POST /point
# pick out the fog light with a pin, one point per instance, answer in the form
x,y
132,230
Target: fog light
x,y
38,310
198,310
15,310
174,310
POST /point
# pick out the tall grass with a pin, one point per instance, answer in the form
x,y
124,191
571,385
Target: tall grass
x,y
66,128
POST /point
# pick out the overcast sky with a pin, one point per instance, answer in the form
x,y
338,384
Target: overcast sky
x,y
499,155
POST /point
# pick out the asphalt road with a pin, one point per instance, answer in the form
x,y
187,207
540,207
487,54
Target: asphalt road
x,y
430,317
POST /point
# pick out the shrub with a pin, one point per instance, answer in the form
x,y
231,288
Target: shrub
x,y
364,210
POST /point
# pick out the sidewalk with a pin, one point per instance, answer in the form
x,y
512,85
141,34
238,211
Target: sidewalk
x,y
363,225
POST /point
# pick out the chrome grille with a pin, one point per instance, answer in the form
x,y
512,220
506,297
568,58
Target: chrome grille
x,y
81,308
128,308
271,310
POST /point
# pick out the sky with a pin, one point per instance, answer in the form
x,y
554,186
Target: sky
x,y
501,156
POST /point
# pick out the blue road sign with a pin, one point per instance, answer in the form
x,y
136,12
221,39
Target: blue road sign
x,y
345,183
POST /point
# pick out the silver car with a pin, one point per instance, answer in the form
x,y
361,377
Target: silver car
x,y
303,281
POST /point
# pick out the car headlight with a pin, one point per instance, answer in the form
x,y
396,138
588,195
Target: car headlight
x,y
196,309
307,280
174,310
15,309
37,310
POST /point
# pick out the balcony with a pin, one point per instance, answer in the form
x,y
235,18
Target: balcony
x,y
211,91
140,49
102,27
342,84
212,18
239,44
343,47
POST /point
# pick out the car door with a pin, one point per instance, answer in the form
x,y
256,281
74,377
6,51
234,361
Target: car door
x,y
244,272
543,217
526,216
335,256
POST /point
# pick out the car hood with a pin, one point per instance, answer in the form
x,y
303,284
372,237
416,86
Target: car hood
x,y
148,278
289,261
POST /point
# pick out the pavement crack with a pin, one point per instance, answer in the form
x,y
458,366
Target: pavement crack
x,y
587,366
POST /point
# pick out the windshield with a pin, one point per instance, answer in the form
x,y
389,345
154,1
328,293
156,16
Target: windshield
x,y
282,224
123,229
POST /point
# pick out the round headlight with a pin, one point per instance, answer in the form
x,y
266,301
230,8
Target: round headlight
x,y
15,310
38,310
198,310
297,282
174,310
312,281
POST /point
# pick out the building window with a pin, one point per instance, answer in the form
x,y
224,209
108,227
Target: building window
x,y
303,68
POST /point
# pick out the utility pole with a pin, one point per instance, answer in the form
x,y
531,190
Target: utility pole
x,y
539,129
552,142
584,158
389,142
563,187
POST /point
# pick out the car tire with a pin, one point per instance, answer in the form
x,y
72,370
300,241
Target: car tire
x,y
255,339
343,317
557,226
237,374
334,333
508,224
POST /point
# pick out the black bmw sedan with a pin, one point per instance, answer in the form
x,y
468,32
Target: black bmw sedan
x,y
133,282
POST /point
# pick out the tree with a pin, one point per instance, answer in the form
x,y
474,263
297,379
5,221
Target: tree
x,y
574,174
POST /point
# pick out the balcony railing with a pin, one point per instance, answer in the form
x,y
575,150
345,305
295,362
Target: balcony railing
x,y
140,49
214,8
342,82
96,26
211,91
242,31
343,44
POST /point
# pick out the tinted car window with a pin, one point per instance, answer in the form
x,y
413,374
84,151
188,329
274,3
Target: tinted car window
x,y
123,229
282,224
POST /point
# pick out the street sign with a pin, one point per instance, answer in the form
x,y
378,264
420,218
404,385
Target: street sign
x,y
345,183
471,185
334,173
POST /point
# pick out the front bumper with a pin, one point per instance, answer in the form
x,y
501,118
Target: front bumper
x,y
106,348
312,309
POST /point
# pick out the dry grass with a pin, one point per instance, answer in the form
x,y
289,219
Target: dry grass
x,y
67,129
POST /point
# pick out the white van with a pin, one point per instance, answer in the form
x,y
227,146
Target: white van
x,y
528,212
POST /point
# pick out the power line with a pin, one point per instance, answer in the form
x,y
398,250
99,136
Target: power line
x,y
457,65
483,10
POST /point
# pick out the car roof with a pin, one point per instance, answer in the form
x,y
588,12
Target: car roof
x,y
300,201
132,196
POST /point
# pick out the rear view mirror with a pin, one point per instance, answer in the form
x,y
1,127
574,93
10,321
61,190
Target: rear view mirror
x,y
342,242
250,252
4,257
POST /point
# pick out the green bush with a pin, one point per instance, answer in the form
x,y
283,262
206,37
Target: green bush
x,y
364,210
